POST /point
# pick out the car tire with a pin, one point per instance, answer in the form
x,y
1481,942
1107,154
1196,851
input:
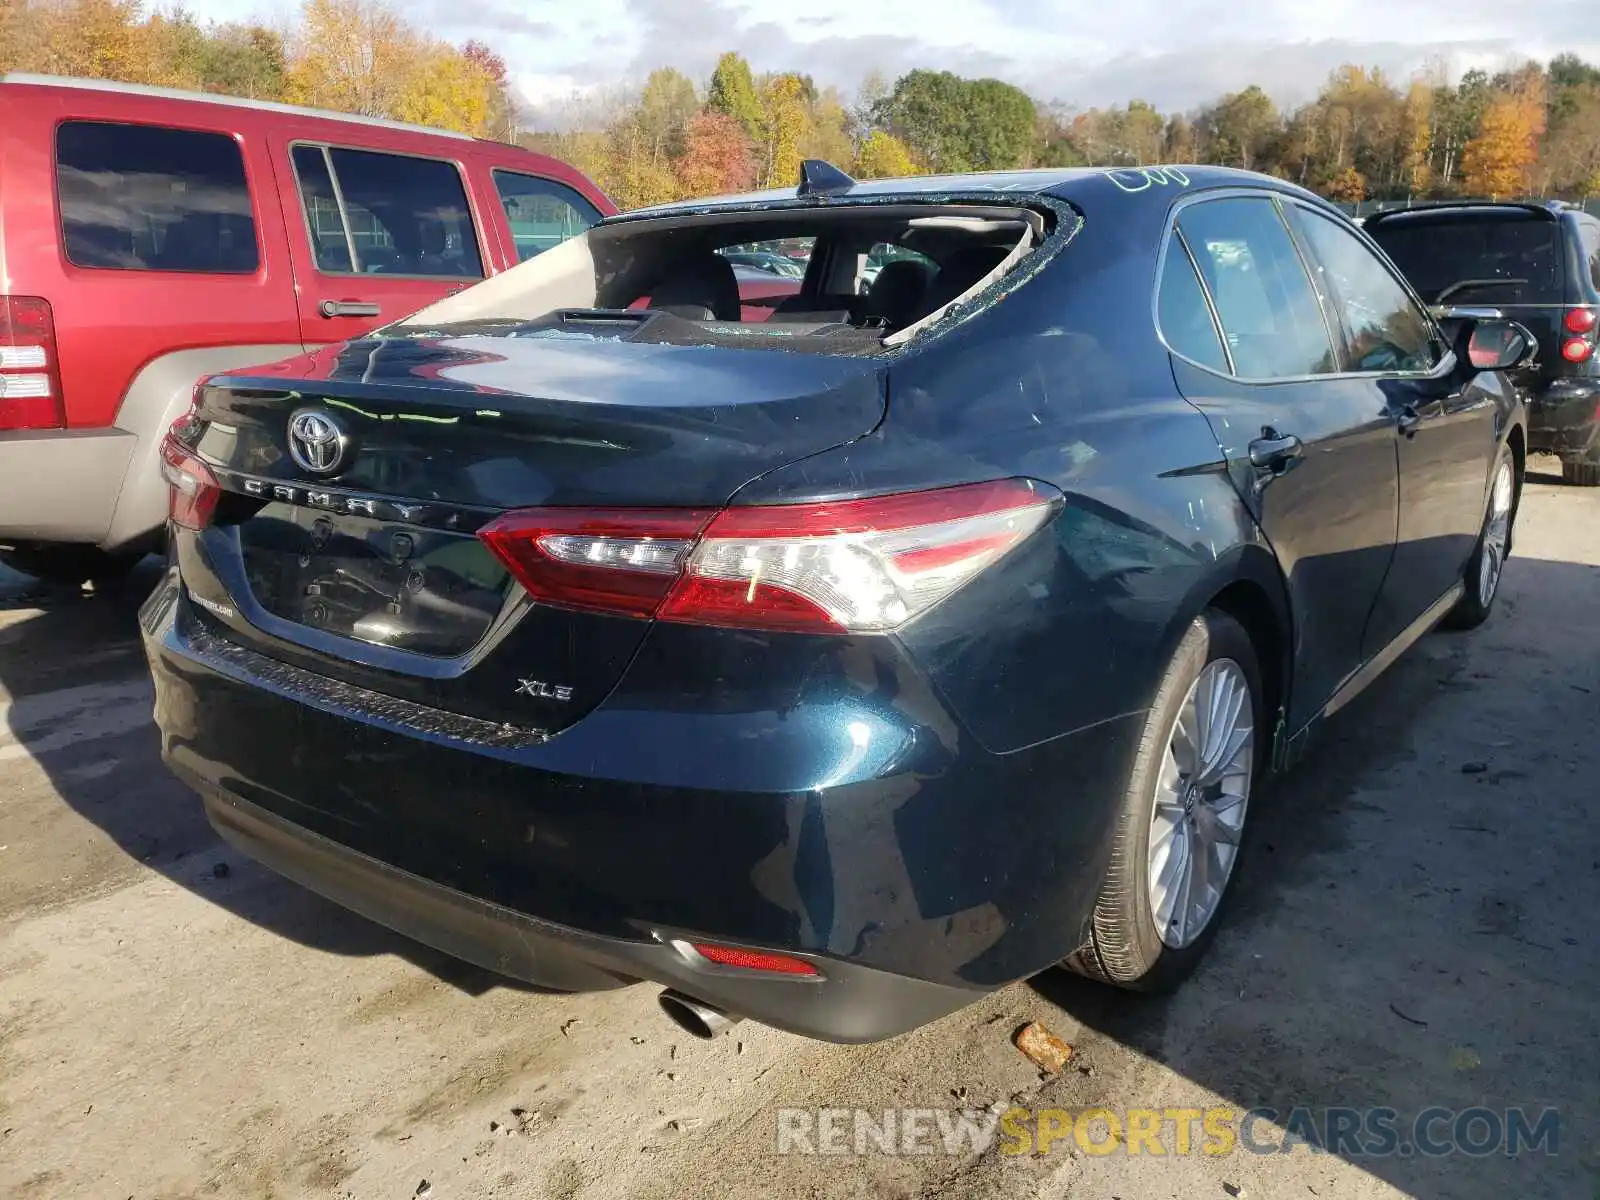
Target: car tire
x,y
72,565
1132,945
1581,474
1486,568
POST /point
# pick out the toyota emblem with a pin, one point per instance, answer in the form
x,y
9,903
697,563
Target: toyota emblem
x,y
316,441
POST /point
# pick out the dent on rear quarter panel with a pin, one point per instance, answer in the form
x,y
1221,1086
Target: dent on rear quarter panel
x,y
1062,380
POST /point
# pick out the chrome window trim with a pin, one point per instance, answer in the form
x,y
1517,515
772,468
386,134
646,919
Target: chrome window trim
x,y
1443,368
1405,287
327,149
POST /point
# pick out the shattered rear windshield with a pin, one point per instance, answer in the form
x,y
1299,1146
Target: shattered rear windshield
x,y
837,280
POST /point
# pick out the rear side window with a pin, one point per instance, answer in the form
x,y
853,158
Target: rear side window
x,y
386,214
1484,258
1263,297
1388,332
1589,232
1185,318
541,212
147,198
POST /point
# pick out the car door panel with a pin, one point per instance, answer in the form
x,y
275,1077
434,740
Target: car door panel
x,y
1330,515
1444,426
1310,452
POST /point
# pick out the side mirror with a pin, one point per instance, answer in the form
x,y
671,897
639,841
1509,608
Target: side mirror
x,y
1495,344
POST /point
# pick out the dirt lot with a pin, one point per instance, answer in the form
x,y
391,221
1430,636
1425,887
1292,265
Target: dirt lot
x,y
175,1021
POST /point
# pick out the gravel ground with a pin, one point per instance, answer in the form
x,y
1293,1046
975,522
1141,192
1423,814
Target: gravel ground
x,y
1408,932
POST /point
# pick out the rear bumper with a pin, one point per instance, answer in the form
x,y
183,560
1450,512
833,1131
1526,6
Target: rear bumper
x,y
1564,419
916,880
848,1003
62,485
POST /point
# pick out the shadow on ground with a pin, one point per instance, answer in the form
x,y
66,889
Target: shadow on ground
x,y
80,702
1411,927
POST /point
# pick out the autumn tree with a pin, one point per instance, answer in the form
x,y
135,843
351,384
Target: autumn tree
x,y
502,107
784,126
351,55
1349,186
882,156
1496,163
717,156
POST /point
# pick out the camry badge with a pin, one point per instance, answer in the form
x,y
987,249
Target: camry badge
x,y
316,441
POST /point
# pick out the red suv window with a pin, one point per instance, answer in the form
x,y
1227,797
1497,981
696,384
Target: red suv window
x,y
147,198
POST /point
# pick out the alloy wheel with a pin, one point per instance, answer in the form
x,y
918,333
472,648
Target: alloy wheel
x,y
1496,535
1202,792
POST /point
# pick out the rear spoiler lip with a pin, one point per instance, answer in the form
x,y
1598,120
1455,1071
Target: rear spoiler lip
x,y
1465,206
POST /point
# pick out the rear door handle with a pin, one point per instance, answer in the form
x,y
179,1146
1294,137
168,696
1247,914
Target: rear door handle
x,y
1274,451
348,308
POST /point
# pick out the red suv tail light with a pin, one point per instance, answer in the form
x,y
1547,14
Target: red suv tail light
x,y
30,376
193,488
1580,320
858,566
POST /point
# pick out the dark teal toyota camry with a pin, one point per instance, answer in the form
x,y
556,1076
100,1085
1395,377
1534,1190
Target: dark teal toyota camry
x,y
834,664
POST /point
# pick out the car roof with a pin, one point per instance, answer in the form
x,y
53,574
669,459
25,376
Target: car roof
x,y
1137,184
20,79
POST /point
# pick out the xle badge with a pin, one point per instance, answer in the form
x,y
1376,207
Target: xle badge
x,y
540,690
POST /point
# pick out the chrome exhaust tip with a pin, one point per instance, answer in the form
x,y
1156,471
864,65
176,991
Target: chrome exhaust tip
x,y
695,1016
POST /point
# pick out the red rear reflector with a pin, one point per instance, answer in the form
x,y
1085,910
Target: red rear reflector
x,y
1580,320
193,489
1576,350
754,960
859,566
30,381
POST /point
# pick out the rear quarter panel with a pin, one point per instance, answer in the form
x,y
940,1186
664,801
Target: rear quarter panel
x,y
1062,380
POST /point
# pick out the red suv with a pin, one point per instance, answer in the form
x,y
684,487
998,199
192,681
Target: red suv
x,y
150,237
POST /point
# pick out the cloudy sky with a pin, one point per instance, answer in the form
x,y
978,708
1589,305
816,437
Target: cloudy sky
x,y
1073,51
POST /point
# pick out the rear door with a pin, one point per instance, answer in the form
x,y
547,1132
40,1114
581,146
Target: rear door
x,y
1311,454
376,232
1444,429
166,236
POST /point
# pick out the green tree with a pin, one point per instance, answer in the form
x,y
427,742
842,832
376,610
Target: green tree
x,y
733,91
666,106
957,124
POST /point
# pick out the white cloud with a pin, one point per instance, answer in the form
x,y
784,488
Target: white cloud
x,y
1065,50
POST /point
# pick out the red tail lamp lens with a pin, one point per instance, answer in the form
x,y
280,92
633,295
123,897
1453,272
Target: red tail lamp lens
x,y
193,488
1577,350
1580,320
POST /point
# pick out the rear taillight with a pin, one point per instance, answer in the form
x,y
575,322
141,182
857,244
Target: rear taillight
x,y
1577,350
861,566
30,378
1579,320
193,488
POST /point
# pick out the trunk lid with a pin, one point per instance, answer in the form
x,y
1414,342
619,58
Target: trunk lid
x,y
355,481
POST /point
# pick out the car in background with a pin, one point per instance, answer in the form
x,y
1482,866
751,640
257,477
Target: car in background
x,y
839,668
150,237
1538,264
765,260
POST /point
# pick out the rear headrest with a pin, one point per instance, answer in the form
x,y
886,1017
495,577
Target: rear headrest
x,y
896,294
699,288
963,269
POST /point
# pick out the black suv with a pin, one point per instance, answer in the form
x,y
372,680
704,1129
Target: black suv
x,y
1538,264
